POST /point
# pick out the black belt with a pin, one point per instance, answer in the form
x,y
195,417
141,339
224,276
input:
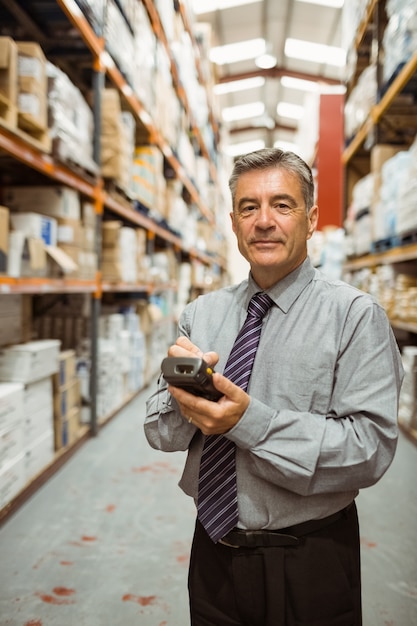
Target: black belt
x,y
239,538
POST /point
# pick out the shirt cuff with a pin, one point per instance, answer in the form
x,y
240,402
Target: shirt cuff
x,y
252,426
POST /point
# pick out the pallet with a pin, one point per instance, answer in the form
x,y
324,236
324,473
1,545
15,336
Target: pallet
x,y
36,132
8,112
396,241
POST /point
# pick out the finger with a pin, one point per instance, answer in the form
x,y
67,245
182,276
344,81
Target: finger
x,y
185,343
229,389
211,358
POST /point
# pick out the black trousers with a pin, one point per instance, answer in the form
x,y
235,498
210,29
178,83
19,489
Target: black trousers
x,y
315,583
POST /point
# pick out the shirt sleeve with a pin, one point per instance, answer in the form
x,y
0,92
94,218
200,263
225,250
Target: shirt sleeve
x,y
165,427
354,443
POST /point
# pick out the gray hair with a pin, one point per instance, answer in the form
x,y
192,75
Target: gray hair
x,y
274,157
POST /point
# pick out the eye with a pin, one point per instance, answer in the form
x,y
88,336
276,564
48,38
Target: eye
x,y
249,209
281,207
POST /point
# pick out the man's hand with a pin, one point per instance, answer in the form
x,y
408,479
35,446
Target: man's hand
x,y
184,347
212,418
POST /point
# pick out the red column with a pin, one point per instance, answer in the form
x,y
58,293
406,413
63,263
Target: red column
x,y
329,161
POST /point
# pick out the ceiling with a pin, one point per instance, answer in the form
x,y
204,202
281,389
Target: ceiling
x,y
272,20
275,21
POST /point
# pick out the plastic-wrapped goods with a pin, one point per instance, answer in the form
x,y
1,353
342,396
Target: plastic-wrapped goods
x,y
71,124
400,36
360,101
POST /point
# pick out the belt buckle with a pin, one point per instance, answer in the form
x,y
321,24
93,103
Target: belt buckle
x,y
229,545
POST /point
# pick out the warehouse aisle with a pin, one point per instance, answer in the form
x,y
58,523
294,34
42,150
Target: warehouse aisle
x,y
106,541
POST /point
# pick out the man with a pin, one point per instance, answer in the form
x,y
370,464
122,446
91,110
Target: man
x,y
317,422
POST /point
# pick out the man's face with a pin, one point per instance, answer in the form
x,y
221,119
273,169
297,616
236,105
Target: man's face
x,y
271,224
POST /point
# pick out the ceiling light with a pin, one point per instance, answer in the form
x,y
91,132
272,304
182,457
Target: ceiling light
x,y
336,4
294,111
206,6
243,111
237,149
240,51
298,83
316,52
266,61
239,85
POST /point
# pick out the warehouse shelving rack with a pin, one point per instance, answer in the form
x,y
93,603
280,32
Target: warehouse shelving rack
x,y
356,157
27,150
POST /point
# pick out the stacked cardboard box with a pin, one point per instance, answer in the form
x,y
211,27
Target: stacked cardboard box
x,y
8,81
12,455
32,84
67,401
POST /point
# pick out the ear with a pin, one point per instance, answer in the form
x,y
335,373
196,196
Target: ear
x,y
313,218
232,217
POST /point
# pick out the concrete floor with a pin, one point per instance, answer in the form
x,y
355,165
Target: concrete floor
x,y
105,542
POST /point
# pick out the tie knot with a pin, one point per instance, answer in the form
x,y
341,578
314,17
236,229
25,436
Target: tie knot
x,y
259,304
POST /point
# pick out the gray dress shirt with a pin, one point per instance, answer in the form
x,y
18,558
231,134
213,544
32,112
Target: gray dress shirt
x,y
322,418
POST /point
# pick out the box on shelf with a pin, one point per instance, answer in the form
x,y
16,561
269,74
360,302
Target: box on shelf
x,y
67,369
39,454
37,423
32,82
67,431
55,201
15,318
4,238
11,405
29,361
66,398
37,226
11,444
8,80
12,479
27,256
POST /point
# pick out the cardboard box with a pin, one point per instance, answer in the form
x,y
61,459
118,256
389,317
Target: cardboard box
x,y
30,361
11,444
67,431
38,395
32,82
12,479
67,369
11,405
27,256
55,201
37,423
39,454
66,398
8,80
4,238
37,226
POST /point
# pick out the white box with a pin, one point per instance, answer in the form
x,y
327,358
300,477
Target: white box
x,y
12,479
36,225
39,454
36,424
38,395
11,444
27,362
55,201
11,405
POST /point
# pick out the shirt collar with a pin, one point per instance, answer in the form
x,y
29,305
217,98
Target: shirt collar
x,y
286,291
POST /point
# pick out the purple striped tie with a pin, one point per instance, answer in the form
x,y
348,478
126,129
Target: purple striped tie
x,y
217,491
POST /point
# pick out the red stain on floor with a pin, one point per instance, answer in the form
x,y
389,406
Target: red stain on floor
x,y
367,543
142,600
60,596
34,622
63,591
66,562
88,538
183,559
110,508
156,468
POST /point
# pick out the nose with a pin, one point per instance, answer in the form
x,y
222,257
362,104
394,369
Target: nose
x,y
264,216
